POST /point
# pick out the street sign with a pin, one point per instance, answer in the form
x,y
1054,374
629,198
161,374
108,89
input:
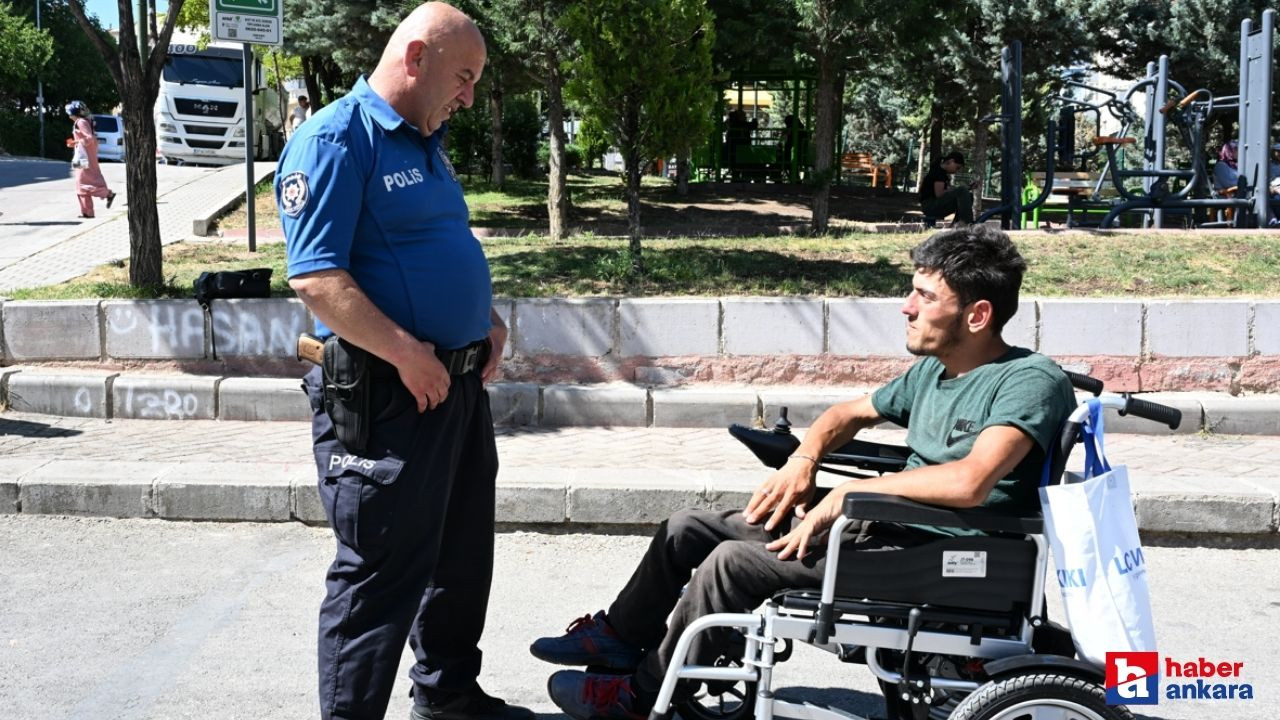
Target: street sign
x,y
247,21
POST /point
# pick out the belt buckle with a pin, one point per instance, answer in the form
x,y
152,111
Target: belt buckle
x,y
469,358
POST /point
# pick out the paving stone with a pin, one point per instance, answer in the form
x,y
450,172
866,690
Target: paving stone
x,y
703,406
1266,327
1248,415
266,327
164,397
1243,513
52,330
1200,328
225,491
610,405
867,327
60,393
1091,327
87,487
304,498
628,496
773,326
661,327
256,398
514,403
154,329
533,495
564,326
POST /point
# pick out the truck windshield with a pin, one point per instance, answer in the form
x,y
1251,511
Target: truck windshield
x,y
191,70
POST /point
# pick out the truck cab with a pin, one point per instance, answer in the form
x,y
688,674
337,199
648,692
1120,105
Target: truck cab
x,y
200,113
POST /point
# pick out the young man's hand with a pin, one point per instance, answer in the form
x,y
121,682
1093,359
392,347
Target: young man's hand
x,y
816,523
791,487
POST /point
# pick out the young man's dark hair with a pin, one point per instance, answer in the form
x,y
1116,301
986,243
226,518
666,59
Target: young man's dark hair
x,y
958,157
978,263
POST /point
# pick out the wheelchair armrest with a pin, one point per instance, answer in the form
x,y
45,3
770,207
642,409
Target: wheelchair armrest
x,y
891,508
870,456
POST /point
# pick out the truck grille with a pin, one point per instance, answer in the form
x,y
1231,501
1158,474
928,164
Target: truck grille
x,y
208,144
210,108
205,130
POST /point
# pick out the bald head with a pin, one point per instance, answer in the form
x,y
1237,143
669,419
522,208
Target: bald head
x,y
430,66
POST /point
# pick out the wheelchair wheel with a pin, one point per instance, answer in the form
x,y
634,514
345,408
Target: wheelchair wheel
x,y
1039,696
720,700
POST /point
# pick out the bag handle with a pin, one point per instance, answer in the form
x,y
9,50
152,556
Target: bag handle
x,y
1095,456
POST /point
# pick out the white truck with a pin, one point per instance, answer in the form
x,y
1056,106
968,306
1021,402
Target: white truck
x,y
200,114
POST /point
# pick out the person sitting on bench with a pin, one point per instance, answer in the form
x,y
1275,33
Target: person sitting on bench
x,y
1226,171
938,199
980,414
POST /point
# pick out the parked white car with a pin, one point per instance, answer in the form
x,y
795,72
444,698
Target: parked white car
x,y
110,132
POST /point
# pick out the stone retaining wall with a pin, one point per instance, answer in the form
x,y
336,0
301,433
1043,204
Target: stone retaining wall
x,y
1225,345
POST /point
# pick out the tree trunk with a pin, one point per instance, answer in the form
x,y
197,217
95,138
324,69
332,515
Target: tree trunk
x,y
980,135
557,171
311,78
497,173
631,157
682,172
921,153
935,125
824,141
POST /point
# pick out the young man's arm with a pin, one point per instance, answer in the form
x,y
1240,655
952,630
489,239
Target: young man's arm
x,y
793,485
963,483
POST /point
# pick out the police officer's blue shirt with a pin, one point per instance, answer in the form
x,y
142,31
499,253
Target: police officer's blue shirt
x,y
359,189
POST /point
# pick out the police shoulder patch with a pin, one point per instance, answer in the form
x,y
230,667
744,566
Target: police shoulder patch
x,y
444,158
294,193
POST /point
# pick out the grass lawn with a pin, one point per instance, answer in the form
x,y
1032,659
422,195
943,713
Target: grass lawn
x,y
854,265
757,262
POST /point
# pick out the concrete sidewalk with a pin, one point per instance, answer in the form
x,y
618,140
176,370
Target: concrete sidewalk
x,y
1206,484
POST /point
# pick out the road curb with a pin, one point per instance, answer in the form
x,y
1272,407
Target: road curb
x,y
202,225
564,498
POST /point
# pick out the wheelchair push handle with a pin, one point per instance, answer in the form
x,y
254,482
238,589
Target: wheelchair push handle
x,y
1091,385
1152,411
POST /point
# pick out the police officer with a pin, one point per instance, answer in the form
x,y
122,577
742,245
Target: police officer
x,y
380,250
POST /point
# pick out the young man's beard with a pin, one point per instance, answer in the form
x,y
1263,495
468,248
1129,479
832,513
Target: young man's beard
x,y
949,338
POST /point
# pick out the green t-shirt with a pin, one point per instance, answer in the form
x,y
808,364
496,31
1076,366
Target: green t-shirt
x,y
943,417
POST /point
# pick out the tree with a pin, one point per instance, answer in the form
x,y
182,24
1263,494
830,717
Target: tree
x,y
644,72
137,81
24,50
531,34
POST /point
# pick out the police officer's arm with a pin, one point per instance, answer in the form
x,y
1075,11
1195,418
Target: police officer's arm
x,y
497,340
340,304
961,483
793,485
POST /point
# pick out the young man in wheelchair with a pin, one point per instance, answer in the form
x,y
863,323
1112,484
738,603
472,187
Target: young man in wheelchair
x,y
980,416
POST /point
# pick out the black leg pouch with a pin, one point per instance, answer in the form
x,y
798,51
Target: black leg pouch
x,y
346,392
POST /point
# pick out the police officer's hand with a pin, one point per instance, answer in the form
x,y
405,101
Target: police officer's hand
x,y
425,377
497,341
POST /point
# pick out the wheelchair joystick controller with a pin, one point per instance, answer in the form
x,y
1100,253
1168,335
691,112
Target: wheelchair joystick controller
x,y
782,426
914,691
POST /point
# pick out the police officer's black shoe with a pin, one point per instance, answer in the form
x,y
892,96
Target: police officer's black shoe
x,y
475,704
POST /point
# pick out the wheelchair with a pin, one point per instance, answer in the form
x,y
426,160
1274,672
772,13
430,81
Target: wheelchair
x,y
957,629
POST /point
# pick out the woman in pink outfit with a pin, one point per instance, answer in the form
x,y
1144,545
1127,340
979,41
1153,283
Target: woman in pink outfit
x,y
88,177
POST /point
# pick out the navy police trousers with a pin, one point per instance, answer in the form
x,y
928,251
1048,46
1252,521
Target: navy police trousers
x,y
413,517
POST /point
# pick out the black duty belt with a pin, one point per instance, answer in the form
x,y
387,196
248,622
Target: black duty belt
x,y
458,362
464,359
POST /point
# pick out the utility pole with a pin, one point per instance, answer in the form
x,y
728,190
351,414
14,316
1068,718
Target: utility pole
x,y
40,89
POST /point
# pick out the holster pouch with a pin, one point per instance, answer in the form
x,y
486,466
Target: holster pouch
x,y
346,392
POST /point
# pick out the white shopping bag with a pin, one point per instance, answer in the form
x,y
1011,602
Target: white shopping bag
x,y
1101,569
80,157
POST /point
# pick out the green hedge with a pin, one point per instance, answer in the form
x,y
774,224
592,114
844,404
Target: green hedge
x,y
20,135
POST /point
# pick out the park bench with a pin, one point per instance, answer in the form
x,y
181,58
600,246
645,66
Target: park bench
x,y
861,164
1067,183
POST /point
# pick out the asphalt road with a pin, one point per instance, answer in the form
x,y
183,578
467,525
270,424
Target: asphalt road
x,y
119,619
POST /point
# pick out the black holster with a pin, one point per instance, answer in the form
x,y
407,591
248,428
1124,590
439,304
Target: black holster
x,y
346,392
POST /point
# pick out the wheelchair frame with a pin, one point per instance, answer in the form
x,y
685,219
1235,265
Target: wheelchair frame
x,y
1006,655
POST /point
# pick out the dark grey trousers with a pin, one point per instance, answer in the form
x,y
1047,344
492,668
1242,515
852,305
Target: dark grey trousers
x,y
958,200
735,574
